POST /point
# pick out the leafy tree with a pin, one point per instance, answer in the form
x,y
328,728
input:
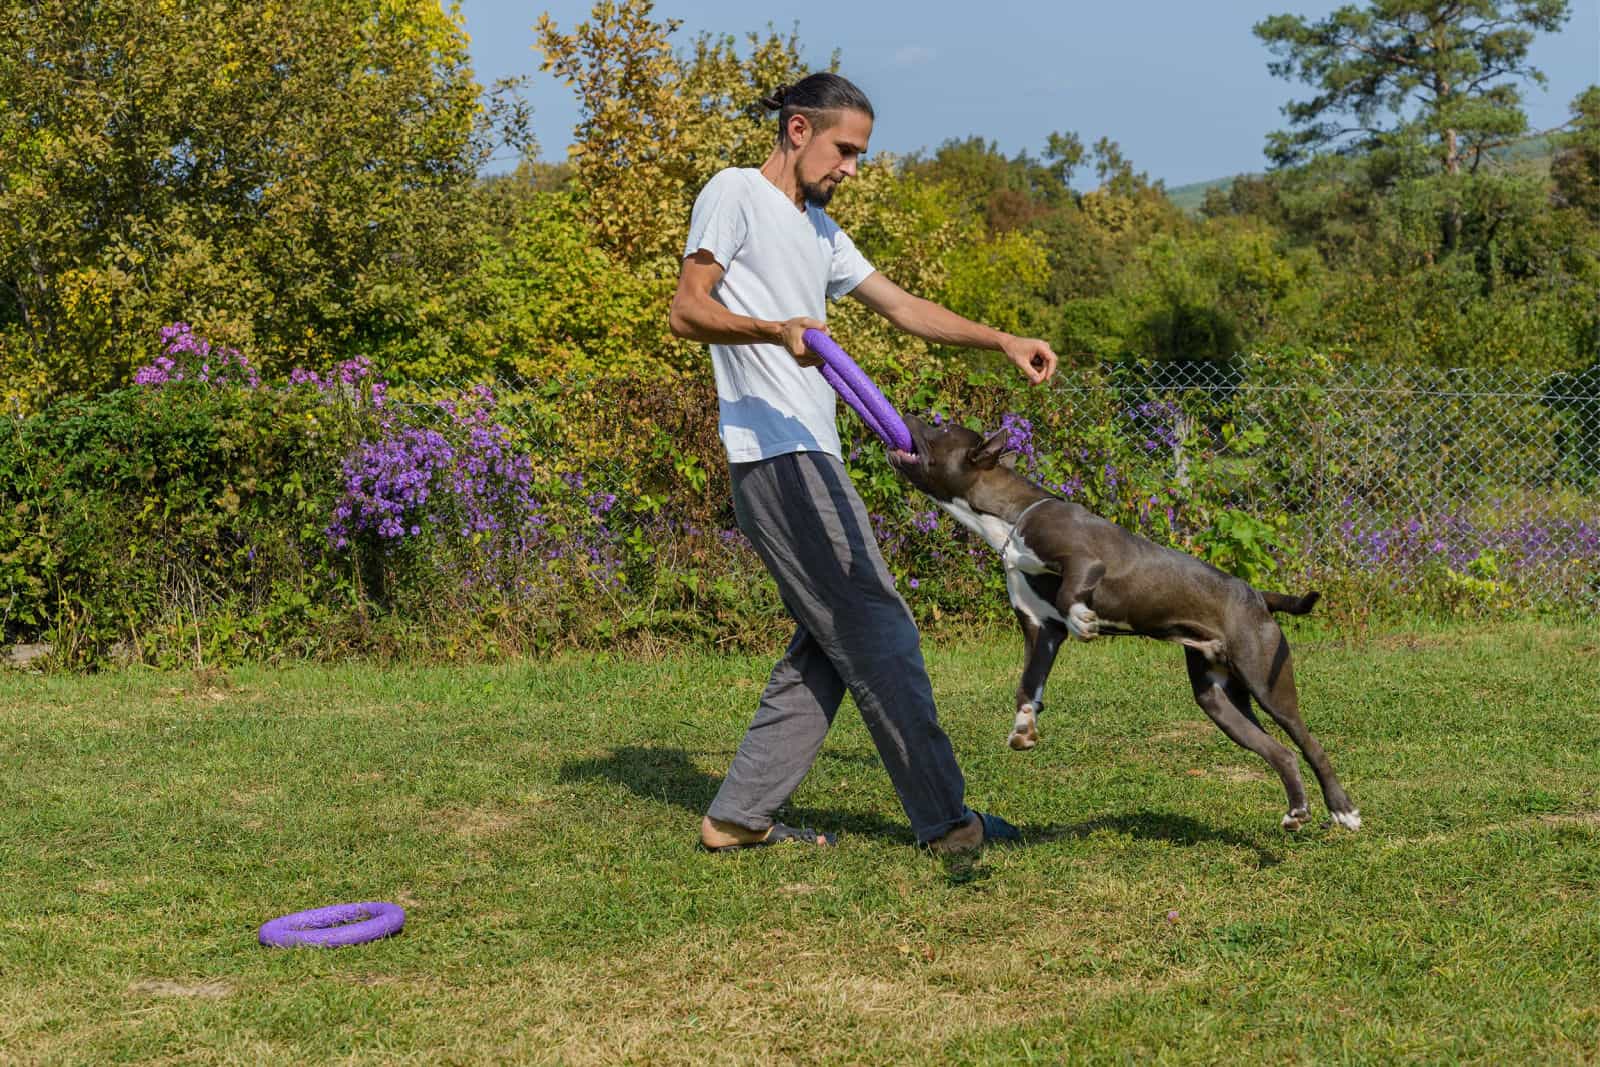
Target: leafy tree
x,y
654,126
1064,153
293,177
1253,195
551,301
1576,168
1125,200
1444,248
1023,194
589,251
1445,72
1011,193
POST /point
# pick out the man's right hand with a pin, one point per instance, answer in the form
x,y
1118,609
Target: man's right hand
x,y
792,329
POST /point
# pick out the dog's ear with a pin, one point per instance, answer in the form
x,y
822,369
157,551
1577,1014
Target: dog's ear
x,y
985,455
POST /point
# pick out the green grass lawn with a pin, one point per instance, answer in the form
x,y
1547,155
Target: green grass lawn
x,y
538,823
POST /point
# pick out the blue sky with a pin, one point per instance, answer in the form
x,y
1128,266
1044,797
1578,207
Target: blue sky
x,y
1183,87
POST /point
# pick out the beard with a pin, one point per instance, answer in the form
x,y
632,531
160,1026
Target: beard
x,y
818,193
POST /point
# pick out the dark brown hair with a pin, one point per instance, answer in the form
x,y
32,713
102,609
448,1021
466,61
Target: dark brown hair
x,y
815,96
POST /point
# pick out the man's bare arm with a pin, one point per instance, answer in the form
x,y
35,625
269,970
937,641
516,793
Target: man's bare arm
x,y
934,323
697,316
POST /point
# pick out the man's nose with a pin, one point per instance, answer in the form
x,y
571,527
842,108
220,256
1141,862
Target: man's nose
x,y
848,166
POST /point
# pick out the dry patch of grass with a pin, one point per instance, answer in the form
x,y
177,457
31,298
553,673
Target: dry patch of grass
x,y
210,988
476,823
1186,732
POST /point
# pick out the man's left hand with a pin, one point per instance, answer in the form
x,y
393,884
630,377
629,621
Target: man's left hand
x,y
1032,356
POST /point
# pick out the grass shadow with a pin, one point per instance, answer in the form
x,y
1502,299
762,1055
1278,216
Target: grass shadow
x,y
1153,826
669,776
967,871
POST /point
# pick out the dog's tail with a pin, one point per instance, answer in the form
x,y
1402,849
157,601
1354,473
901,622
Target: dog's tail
x,y
1291,605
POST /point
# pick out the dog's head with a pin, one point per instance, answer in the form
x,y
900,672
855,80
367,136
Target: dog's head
x,y
951,460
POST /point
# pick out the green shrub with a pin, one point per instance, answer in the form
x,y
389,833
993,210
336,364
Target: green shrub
x,y
144,514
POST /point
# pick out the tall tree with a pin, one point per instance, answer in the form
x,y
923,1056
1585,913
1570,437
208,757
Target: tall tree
x,y
1576,168
1442,75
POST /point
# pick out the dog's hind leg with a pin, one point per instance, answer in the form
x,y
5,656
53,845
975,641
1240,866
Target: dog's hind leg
x,y
1210,683
1041,641
1263,661
1239,694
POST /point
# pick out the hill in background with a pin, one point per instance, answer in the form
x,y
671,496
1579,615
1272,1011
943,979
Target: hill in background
x,y
1534,153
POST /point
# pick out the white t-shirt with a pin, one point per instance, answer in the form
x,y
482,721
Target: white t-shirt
x,y
778,263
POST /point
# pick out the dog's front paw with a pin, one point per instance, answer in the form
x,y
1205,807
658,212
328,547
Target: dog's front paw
x,y
1296,818
1025,730
1083,623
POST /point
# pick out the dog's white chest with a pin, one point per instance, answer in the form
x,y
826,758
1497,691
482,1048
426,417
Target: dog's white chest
x,y
997,533
1018,558
994,531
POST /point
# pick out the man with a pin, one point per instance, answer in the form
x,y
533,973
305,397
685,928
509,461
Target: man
x,y
761,260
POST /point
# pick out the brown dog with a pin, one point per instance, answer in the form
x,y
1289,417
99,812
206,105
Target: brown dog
x,y
1070,571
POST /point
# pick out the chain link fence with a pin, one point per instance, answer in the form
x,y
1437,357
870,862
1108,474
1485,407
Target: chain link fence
x,y
1481,483
1472,485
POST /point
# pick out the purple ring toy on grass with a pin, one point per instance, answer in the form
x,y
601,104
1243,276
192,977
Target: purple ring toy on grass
x,y
334,926
852,383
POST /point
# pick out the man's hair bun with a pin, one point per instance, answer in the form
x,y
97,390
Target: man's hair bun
x,y
773,101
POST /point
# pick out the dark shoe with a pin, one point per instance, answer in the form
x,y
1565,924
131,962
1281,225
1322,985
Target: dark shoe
x,y
776,836
996,831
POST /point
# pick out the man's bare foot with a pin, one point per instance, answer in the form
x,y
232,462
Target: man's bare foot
x,y
977,831
717,835
714,833
968,837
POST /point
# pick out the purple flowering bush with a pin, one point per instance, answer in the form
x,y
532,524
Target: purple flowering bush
x,y
453,524
183,352
454,501
204,516
172,522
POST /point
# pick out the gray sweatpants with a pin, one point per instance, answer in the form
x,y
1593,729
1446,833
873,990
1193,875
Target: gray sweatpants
x,y
807,523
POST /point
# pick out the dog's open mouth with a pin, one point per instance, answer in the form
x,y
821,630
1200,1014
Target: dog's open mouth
x,y
899,457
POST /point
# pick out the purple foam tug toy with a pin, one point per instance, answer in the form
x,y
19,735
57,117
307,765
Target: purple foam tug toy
x,y
852,383
334,926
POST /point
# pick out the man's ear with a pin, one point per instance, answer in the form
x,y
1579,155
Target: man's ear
x,y
798,130
984,456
